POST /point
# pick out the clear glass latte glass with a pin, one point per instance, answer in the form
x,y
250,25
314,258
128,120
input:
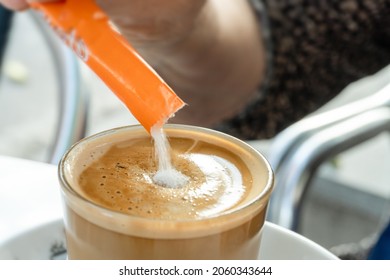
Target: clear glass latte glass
x,y
97,232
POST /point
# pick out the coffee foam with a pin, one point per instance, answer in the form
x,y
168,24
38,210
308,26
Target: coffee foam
x,y
123,180
190,208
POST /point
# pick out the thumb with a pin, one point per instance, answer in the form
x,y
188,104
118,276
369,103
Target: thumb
x,y
19,5
15,5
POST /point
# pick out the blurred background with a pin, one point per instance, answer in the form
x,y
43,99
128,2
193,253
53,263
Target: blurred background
x,y
346,205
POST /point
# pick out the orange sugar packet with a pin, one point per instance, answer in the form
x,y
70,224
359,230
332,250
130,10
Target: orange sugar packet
x,y
84,27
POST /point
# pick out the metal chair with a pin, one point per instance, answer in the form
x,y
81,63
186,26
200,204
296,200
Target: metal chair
x,y
297,152
73,104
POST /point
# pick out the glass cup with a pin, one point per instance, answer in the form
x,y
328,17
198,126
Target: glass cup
x,y
94,231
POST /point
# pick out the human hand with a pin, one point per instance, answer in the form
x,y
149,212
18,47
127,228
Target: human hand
x,y
142,21
204,49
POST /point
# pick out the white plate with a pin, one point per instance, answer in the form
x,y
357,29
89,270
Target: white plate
x,y
47,242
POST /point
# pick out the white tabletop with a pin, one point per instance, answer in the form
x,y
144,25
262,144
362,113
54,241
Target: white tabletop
x,y
29,195
30,205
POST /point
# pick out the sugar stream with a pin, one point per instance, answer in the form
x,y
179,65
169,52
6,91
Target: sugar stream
x,y
166,175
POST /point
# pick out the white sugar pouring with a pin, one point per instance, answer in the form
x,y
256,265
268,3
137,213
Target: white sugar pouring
x,y
167,175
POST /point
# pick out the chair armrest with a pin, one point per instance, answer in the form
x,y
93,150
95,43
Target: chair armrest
x,y
299,166
286,141
73,101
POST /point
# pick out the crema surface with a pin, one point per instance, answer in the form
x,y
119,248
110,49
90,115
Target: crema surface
x,y
121,178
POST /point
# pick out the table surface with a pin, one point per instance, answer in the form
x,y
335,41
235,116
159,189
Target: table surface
x,y
30,197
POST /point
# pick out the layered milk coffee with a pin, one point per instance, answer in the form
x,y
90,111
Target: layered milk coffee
x,y
116,210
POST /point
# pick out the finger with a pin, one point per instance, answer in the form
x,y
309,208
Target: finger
x,y
19,5
42,1
15,4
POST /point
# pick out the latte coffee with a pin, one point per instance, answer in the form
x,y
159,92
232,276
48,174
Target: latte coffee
x,y
115,210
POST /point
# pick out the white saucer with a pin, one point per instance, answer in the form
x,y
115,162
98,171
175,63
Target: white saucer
x,y
47,242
